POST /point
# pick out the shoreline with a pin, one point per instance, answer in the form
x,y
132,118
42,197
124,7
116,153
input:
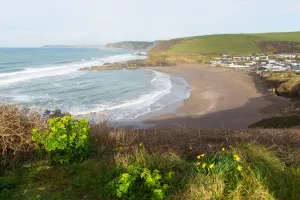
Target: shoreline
x,y
220,98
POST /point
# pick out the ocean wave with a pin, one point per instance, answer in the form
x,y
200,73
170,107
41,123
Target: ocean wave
x,y
59,69
13,62
123,109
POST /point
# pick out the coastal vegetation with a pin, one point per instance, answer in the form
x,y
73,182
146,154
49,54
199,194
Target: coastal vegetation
x,y
125,163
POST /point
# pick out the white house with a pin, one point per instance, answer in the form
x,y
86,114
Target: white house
x,y
237,66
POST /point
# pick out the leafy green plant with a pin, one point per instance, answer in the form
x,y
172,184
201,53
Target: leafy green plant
x,y
224,164
66,140
139,183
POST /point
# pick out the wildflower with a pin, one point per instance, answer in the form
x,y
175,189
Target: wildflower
x,y
203,165
211,166
239,168
141,144
120,148
198,163
198,157
190,147
202,155
223,149
236,157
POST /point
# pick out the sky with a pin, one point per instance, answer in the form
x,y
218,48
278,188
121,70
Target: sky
x,y
31,23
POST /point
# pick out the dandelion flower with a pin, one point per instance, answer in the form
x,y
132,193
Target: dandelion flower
x,y
212,166
202,155
203,165
239,168
223,149
198,157
236,157
198,163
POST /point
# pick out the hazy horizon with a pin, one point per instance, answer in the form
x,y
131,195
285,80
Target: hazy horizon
x,y
34,23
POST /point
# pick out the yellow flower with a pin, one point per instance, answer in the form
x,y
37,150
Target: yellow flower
x,y
239,168
141,144
198,157
198,163
236,157
190,147
223,149
202,155
203,165
120,148
212,166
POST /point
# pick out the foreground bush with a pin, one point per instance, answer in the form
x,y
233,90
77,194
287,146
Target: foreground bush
x,y
139,183
16,124
65,141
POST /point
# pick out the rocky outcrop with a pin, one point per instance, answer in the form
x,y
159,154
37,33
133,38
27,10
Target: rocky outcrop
x,y
102,68
286,84
289,89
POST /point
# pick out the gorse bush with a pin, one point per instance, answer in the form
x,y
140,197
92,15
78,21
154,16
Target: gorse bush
x,y
139,183
65,141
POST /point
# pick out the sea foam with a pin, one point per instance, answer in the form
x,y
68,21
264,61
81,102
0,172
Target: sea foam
x,y
60,69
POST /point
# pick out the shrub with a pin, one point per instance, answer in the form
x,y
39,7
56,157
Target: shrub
x,y
65,141
48,114
139,183
16,125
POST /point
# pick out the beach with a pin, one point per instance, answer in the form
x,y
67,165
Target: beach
x,y
221,98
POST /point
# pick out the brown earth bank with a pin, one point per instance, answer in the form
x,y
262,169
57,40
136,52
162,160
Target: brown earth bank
x,y
164,45
275,47
221,97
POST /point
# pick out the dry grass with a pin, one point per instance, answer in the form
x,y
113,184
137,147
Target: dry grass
x,y
16,125
200,140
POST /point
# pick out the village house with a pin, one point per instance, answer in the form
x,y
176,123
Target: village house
x,y
290,56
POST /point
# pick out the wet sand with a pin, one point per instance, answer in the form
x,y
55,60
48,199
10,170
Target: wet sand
x,y
221,98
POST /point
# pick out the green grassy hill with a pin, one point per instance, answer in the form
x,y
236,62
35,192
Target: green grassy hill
x,y
192,49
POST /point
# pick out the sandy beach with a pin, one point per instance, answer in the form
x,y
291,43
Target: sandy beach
x,y
221,98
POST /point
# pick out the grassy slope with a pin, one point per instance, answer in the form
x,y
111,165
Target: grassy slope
x,y
199,48
231,43
271,169
263,174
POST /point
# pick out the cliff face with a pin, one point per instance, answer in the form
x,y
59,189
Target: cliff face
x,y
131,45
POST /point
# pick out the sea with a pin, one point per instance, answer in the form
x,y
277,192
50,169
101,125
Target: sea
x,y
50,79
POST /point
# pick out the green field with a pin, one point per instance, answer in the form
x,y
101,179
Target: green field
x,y
234,44
231,43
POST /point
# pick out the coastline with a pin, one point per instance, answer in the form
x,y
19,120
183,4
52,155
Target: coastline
x,y
220,98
